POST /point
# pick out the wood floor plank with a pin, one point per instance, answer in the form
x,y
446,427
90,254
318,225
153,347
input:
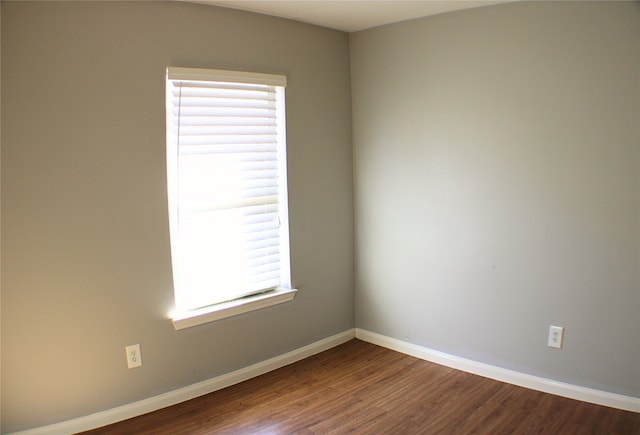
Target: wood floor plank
x,y
365,389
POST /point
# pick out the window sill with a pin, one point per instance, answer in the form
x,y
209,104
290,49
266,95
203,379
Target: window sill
x,y
232,308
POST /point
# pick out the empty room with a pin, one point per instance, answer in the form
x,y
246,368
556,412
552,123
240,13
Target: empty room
x,y
320,217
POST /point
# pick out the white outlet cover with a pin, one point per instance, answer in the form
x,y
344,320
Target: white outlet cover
x,y
555,336
134,357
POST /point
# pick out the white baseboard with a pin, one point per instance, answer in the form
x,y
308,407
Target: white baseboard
x,y
590,395
135,409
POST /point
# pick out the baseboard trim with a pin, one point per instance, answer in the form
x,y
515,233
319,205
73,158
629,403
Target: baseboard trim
x,y
537,383
141,407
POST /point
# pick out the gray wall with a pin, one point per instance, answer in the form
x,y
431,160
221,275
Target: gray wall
x,y
497,191
0,207
497,186
85,249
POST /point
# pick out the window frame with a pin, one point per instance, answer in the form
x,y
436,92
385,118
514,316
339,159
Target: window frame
x,y
193,316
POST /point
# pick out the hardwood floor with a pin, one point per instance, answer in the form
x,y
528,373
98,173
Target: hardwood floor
x,y
365,389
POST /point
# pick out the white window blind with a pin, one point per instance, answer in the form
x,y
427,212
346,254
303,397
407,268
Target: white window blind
x,y
226,174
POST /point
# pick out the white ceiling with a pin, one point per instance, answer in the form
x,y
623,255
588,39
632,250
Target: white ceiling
x,y
350,15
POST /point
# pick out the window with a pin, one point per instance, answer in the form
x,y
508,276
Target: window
x,y
227,192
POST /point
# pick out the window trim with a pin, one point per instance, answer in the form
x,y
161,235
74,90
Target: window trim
x,y
221,75
236,307
270,297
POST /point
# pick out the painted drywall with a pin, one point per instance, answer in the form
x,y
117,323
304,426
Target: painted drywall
x,y
0,212
497,186
85,250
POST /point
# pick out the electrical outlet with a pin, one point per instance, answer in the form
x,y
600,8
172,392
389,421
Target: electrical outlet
x,y
555,336
134,357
